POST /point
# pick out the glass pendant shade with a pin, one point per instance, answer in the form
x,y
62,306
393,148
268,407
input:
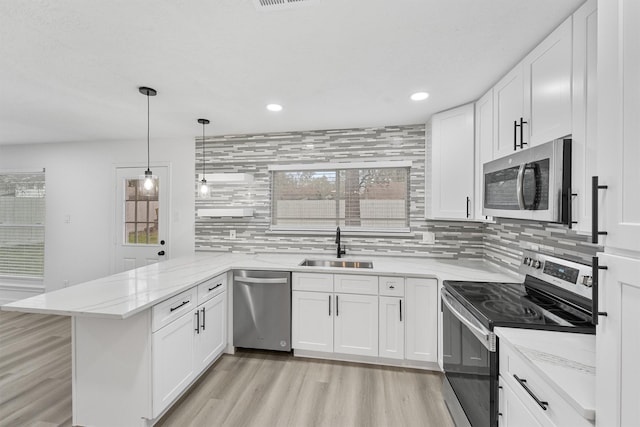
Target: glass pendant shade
x,y
204,188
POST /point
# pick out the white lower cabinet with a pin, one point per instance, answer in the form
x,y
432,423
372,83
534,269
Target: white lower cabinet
x,y
527,398
421,296
513,412
356,324
212,336
618,343
142,364
173,360
389,317
391,327
338,323
311,321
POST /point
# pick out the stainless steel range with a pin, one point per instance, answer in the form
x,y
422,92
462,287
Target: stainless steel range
x,y
556,295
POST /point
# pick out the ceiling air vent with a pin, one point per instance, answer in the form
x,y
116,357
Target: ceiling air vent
x,y
282,4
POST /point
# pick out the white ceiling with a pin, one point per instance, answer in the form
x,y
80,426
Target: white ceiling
x,y
70,69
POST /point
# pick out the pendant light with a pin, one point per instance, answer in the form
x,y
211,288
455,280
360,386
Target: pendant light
x,y
148,180
204,188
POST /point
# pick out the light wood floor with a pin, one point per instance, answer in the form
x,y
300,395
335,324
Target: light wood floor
x,y
251,388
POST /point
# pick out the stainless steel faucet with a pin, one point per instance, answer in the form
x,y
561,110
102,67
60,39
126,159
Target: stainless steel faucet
x,y
342,251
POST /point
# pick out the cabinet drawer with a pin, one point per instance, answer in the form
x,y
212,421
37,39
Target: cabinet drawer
x,y
391,286
558,411
355,284
172,308
212,287
317,282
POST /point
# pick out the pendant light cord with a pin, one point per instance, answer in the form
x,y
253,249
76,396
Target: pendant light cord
x,y
203,157
148,161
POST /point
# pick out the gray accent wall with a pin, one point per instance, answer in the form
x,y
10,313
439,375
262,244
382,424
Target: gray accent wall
x,y
501,242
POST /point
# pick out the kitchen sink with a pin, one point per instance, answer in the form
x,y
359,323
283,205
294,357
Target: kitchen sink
x,y
336,263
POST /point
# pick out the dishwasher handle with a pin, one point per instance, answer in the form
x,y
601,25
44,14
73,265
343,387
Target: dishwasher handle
x,y
260,280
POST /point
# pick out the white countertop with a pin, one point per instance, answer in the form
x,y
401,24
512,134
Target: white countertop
x,y
565,360
124,294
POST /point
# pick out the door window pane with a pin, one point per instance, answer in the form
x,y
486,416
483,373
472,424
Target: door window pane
x,y
141,213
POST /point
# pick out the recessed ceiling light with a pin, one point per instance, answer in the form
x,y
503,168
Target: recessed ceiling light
x,y
274,107
419,96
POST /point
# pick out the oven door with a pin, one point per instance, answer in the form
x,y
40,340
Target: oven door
x,y
470,365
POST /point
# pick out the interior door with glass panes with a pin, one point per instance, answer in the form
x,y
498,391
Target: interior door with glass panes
x,y
141,218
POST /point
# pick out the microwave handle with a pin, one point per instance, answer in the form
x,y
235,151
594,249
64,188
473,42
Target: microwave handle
x,y
520,187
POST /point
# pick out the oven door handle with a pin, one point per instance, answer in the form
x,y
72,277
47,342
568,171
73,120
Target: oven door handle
x,y
520,187
486,337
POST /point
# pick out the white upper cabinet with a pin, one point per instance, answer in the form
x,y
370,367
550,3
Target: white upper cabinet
x,y
452,190
619,123
532,103
547,82
584,132
508,111
484,145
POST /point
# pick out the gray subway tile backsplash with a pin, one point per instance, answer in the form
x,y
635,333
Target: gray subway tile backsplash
x,y
501,242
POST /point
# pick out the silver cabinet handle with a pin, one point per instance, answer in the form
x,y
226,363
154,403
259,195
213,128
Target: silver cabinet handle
x,y
520,186
203,318
197,314
401,310
329,305
337,309
260,280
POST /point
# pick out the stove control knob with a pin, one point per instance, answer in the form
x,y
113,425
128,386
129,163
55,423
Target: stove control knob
x,y
536,264
526,260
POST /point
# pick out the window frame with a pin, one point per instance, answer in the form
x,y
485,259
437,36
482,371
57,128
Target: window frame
x,y
336,166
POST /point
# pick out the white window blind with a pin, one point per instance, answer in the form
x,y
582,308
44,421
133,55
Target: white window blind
x,y
22,216
352,198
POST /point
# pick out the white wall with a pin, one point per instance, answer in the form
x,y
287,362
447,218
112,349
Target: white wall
x,y
82,249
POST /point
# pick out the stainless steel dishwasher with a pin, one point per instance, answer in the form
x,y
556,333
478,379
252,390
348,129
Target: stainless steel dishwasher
x,y
262,309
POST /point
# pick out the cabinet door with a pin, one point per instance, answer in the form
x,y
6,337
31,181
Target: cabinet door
x,y
211,339
356,324
391,327
421,319
312,321
173,360
452,163
547,82
619,122
617,343
584,133
513,412
508,106
484,146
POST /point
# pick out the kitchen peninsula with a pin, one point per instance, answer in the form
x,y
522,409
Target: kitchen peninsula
x,y
124,324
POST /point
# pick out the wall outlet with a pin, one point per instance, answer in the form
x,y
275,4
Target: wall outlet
x,y
429,238
232,234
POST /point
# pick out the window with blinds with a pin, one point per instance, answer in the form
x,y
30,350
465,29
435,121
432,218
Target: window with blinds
x,y
22,216
352,198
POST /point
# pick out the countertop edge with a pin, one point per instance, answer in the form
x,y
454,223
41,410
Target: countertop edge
x,y
259,262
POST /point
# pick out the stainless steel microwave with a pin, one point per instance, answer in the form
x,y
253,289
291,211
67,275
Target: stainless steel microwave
x,y
534,183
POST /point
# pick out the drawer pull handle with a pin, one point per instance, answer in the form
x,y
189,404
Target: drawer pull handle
x,y
215,287
172,309
391,287
540,403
